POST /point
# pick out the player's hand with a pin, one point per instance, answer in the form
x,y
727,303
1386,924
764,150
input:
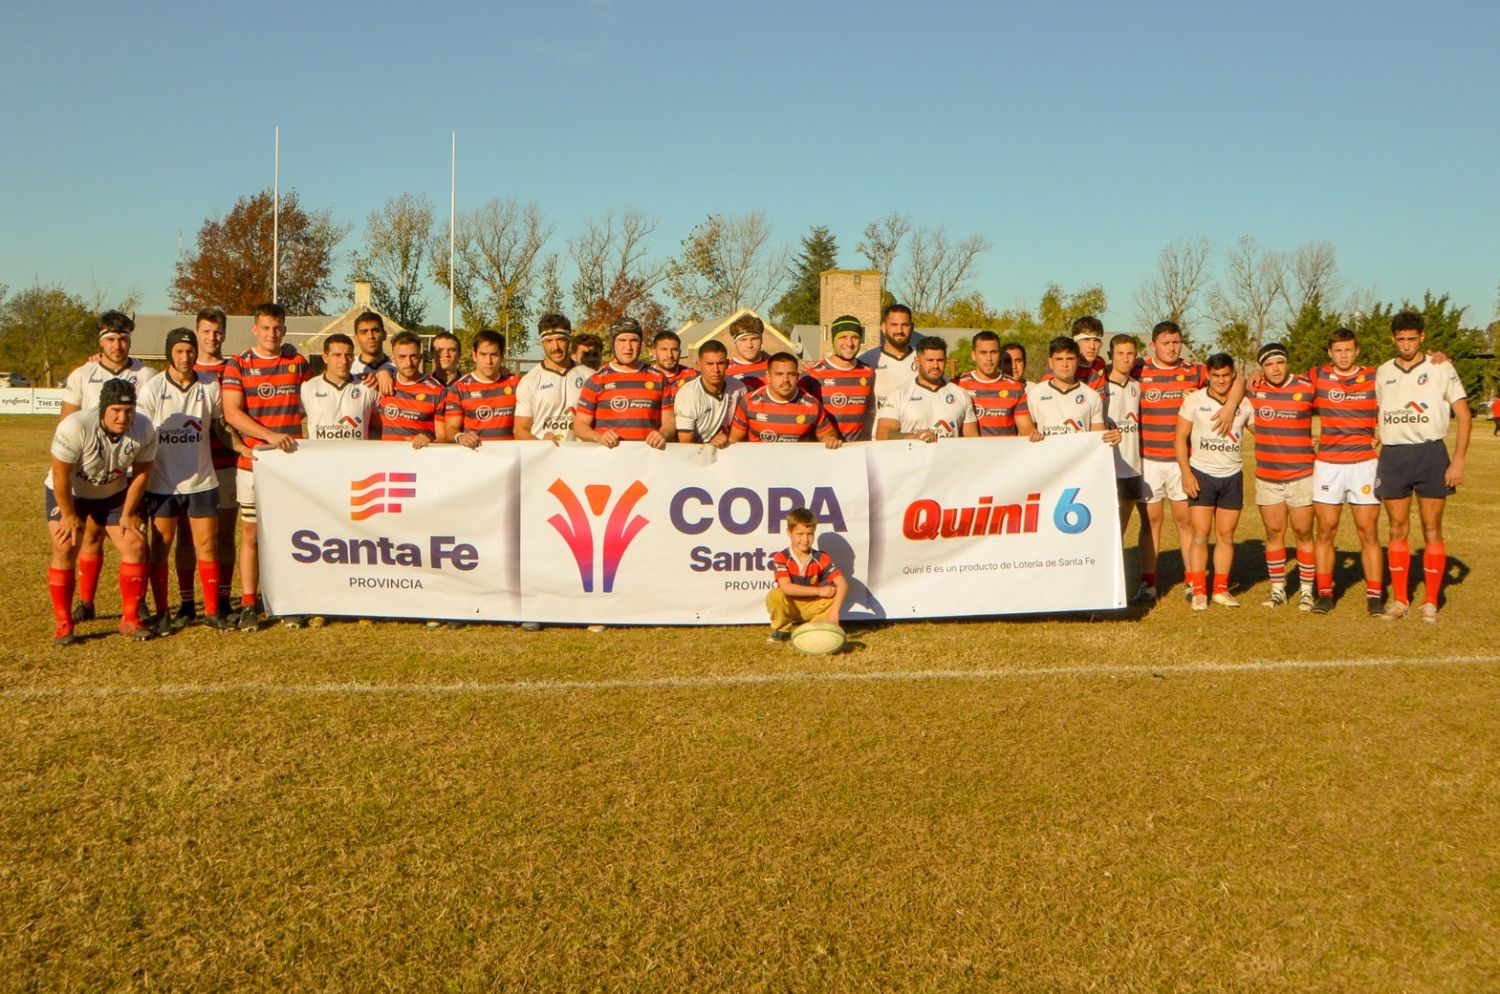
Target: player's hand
x,y
1111,437
133,523
67,530
720,440
828,590
1224,419
927,435
468,439
833,441
1190,484
1255,379
286,443
608,438
552,437
656,440
421,442
1036,435
1438,358
1455,474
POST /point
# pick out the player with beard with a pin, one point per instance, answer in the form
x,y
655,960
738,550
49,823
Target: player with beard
x,y
781,411
549,391
481,405
844,385
930,407
894,360
999,399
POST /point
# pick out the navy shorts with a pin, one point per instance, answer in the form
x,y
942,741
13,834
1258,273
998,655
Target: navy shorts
x,y
1227,492
203,504
99,510
1131,489
1401,469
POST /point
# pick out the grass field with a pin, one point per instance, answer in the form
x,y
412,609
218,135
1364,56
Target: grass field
x,y
1227,801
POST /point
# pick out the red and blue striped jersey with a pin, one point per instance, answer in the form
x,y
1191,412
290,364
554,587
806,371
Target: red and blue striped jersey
x,y
1162,391
272,391
676,378
752,374
630,402
763,418
818,570
487,409
1348,411
213,372
996,402
412,409
1283,430
848,395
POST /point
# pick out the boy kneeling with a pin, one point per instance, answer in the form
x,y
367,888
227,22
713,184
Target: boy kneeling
x,y
809,587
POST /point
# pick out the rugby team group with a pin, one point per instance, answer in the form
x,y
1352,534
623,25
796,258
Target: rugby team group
x,y
139,454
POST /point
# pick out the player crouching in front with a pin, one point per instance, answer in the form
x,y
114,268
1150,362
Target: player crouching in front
x,y
101,458
1213,478
809,587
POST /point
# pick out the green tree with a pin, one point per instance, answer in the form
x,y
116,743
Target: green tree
x,y
397,239
1447,334
44,332
801,304
1307,335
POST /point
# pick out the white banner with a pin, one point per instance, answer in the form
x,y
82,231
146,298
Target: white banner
x,y
15,400
380,530
994,526
684,535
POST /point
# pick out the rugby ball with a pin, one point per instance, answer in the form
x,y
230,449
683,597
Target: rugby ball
x,y
818,638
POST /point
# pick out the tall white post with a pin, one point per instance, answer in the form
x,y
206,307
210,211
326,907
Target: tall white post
x,y
276,224
452,223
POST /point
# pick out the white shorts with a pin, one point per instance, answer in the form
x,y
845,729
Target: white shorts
x,y
1163,481
1292,493
1344,482
244,486
228,487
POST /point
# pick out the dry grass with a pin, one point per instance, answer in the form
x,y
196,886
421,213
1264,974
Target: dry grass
x,y
1291,830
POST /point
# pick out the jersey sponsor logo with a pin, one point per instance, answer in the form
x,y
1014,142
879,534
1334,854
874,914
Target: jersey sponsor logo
x,y
926,520
190,432
266,391
346,427
1414,413
385,488
619,403
1226,443
577,530
838,400
1422,380
1267,413
944,429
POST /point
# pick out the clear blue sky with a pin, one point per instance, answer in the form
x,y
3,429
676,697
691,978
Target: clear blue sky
x,y
1080,138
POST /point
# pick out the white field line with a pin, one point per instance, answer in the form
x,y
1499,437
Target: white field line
x,y
715,681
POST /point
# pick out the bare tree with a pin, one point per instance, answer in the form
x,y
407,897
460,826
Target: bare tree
x,y
1171,293
882,243
497,246
728,262
397,240
551,277
616,275
1312,274
1254,281
936,269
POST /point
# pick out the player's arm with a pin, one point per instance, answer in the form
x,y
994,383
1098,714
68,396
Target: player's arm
x,y
887,429
1225,415
248,427
1465,418
1183,445
970,429
657,439
840,592
523,429
737,434
583,430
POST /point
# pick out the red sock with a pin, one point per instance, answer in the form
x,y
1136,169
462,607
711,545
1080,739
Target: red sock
x,y
1434,565
132,592
208,573
1306,569
247,600
1221,583
1325,584
1374,588
1398,556
1198,580
1276,567
88,577
60,587
185,582
160,585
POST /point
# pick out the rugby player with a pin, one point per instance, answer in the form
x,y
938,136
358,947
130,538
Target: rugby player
x,y
369,335
781,411
1415,398
748,361
1059,404
809,586
549,391
588,350
414,411
1212,468
225,446
1121,397
1283,406
1344,470
894,360
624,401
666,359
1088,332
929,408
1014,362
999,399
81,393
183,408
262,397
1495,414
843,384
481,405
335,405
101,460
705,403
445,347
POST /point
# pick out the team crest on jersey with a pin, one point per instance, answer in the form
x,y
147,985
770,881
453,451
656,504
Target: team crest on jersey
x,y
354,393
864,381
1422,380
1365,489
802,419
1181,377
265,391
1297,396
619,403
1078,399
948,398
1004,393
509,391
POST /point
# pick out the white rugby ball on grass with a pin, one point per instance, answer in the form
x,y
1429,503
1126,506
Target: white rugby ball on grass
x,y
818,638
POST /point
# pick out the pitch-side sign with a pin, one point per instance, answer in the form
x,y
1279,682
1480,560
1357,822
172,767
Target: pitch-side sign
x,y
583,534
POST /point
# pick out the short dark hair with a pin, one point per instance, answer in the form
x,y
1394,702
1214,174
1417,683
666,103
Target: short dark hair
x,y
1061,344
552,320
1014,347
985,336
116,322
1165,328
932,343
1408,321
747,324
1342,335
337,338
214,314
588,340
713,346
1120,340
447,334
781,357
1088,323
405,338
366,317
488,335
801,517
667,336
886,311
1220,360
269,310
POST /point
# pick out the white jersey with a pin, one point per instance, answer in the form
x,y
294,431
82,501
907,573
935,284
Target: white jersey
x,y
359,369
184,418
891,373
101,462
1056,411
943,409
548,397
334,411
1416,403
81,389
1122,411
1208,451
703,414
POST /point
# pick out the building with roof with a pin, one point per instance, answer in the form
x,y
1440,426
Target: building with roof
x,y
695,333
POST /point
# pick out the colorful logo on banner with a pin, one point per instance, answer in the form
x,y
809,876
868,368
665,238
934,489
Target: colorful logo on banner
x,y
578,531
385,488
